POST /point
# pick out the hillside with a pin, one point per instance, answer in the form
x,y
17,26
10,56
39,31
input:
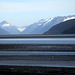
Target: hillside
x,y
70,31
62,28
3,32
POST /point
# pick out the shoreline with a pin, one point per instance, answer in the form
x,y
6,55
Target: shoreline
x,y
35,70
38,36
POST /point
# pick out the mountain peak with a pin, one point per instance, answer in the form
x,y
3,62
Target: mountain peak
x,y
43,20
4,22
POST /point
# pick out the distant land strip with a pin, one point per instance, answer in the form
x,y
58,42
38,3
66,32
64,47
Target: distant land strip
x,y
38,36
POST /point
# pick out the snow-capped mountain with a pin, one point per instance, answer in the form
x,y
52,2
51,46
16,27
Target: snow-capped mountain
x,y
45,24
39,27
3,32
32,27
10,28
66,27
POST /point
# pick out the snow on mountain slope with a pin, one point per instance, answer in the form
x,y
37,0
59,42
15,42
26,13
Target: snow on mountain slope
x,y
47,21
5,25
39,27
45,24
10,28
67,27
32,27
3,31
69,18
21,29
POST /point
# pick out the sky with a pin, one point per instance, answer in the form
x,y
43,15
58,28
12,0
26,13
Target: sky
x,y
26,12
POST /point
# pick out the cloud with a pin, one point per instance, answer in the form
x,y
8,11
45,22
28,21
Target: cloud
x,y
42,6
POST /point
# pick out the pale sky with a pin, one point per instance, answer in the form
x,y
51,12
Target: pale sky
x,y
26,12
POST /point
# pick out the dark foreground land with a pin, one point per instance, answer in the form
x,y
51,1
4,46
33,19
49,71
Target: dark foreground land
x,y
35,70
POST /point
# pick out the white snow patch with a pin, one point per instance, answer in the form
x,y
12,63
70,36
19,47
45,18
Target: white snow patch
x,y
43,20
69,18
39,24
5,25
21,29
48,21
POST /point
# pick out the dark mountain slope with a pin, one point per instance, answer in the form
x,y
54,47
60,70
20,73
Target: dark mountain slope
x,y
61,27
70,31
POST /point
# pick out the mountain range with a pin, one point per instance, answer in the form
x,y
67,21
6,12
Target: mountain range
x,y
43,26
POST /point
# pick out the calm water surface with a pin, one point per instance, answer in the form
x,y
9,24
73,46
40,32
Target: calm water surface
x,y
38,41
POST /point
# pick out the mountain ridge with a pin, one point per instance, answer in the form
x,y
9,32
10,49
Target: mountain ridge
x,y
45,25
61,27
39,27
